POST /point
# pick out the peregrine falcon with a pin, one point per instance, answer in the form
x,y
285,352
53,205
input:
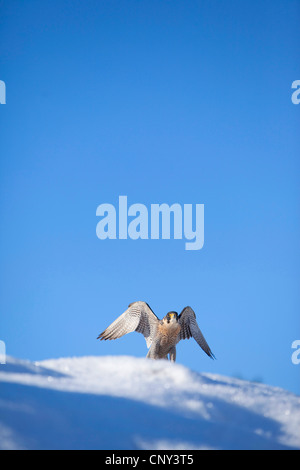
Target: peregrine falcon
x,y
161,335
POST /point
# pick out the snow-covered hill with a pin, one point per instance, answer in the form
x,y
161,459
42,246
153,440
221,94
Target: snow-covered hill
x,y
129,403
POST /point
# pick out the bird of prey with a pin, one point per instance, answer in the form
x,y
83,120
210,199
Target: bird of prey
x,y
161,335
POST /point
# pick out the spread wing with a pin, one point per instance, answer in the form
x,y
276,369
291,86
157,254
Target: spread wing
x,y
190,329
138,317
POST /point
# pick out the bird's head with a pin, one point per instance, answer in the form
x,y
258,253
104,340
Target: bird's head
x,y
171,317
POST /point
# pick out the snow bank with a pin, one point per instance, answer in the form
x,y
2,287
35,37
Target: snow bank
x,y
129,403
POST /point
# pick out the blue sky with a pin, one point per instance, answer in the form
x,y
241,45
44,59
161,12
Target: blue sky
x,y
164,102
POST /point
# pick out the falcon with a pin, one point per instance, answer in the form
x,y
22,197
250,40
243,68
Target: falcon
x,y
161,336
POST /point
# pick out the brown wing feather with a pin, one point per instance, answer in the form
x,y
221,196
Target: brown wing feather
x,y
138,317
190,329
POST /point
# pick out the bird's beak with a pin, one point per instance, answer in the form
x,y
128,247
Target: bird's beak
x,y
172,315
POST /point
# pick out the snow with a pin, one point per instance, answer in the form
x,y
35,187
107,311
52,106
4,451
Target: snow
x,y
122,402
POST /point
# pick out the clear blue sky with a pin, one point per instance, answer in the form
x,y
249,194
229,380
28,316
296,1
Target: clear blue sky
x,y
162,101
